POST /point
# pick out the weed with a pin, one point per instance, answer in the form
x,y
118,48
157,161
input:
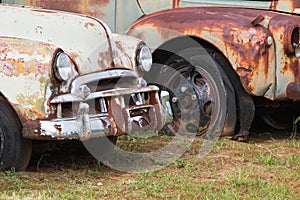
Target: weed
x,y
267,159
295,128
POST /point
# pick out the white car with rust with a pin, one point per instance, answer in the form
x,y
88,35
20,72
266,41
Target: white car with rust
x,y
65,76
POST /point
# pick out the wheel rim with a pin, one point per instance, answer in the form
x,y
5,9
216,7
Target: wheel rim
x,y
1,143
206,93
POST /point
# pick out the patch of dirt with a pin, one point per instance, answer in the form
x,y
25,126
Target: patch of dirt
x,y
73,155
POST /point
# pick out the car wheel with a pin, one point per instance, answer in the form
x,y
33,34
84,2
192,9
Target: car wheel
x,y
200,73
277,120
15,151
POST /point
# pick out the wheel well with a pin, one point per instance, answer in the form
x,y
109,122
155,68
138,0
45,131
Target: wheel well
x,y
169,48
12,108
4,98
245,104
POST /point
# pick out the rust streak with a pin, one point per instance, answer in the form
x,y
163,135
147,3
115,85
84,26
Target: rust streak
x,y
89,24
176,3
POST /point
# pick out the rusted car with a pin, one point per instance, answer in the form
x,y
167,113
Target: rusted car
x,y
255,46
65,76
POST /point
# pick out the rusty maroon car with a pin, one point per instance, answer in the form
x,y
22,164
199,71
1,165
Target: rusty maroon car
x,y
254,45
65,76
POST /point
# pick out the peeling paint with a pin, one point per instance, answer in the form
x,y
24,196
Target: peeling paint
x,y
264,70
51,108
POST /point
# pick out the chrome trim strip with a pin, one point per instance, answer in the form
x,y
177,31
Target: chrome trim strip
x,y
102,94
104,75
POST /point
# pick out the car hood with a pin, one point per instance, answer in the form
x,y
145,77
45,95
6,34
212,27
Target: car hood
x,y
85,39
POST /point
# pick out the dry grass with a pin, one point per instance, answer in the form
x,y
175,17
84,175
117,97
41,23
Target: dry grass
x,y
265,168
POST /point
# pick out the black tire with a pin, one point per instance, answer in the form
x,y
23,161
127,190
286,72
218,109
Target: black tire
x,y
231,115
202,74
279,119
15,151
279,122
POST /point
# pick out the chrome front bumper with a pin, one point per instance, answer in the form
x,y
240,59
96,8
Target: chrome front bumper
x,y
119,119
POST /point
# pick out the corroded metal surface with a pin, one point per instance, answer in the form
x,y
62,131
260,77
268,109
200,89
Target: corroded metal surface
x,y
80,107
123,50
254,40
91,45
28,60
51,26
257,43
100,9
120,14
25,76
121,116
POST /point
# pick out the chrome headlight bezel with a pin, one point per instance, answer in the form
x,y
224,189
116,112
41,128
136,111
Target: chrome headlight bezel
x,y
144,58
62,67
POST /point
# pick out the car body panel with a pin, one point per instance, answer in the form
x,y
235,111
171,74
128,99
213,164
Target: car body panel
x,y
43,28
264,70
120,14
96,100
226,24
24,74
99,9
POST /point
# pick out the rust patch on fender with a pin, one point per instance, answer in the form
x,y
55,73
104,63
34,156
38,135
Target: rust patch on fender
x,y
31,60
228,29
89,24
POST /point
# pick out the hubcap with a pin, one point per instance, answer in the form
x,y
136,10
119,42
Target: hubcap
x,y
205,100
204,89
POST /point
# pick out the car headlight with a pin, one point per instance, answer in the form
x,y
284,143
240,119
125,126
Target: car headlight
x,y
62,66
144,58
291,38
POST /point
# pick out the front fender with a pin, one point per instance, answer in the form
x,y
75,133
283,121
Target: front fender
x,y
25,76
124,50
241,42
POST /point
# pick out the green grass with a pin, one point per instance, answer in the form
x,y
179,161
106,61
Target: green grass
x,y
265,168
